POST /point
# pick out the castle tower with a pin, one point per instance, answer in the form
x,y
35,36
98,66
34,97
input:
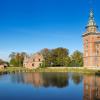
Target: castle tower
x,y
91,43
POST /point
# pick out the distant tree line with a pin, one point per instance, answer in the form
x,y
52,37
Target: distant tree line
x,y
60,57
16,59
52,57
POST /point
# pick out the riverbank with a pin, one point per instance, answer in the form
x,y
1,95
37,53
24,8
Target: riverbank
x,y
51,69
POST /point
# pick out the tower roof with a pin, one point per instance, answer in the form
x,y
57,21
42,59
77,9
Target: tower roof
x,y
91,21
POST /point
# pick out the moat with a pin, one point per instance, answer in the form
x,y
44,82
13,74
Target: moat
x,y
49,86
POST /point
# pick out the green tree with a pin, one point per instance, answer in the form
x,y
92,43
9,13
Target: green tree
x,y
17,59
59,56
67,61
47,57
1,61
77,59
55,57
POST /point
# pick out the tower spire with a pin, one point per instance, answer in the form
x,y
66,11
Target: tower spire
x,y
91,26
91,21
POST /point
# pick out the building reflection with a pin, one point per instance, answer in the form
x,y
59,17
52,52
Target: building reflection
x,y
37,79
34,79
91,87
91,83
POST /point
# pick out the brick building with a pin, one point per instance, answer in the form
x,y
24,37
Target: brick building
x,y
33,61
91,40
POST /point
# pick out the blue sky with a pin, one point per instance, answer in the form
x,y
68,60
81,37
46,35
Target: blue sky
x,y
30,25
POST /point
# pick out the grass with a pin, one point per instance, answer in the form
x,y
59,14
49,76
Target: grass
x,y
50,69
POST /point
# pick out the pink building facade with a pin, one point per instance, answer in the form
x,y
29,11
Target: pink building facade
x,y
91,44
33,61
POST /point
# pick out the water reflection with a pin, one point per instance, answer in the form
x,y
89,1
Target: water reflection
x,y
41,79
91,87
91,83
69,86
37,79
59,80
77,78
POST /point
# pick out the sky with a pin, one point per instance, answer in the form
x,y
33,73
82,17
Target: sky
x,y
31,25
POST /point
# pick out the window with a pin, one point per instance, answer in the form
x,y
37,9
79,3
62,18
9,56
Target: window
x,y
33,65
86,44
39,59
97,49
97,46
92,29
86,53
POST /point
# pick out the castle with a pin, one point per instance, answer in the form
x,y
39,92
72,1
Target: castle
x,y
91,43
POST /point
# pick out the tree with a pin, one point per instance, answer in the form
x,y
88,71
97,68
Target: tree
x,y
77,59
55,57
17,59
12,55
1,61
47,57
59,56
67,61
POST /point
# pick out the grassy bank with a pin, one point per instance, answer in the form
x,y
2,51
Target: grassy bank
x,y
69,69
50,69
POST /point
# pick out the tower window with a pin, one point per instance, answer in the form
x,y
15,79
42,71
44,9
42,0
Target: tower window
x,y
97,47
97,52
86,44
86,53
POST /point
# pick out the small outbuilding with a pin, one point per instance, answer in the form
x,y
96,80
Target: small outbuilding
x,y
2,66
33,61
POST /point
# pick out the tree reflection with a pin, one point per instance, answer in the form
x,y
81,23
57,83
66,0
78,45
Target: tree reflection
x,y
91,83
17,77
77,78
59,80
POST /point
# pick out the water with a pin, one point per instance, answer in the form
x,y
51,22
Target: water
x,y
49,86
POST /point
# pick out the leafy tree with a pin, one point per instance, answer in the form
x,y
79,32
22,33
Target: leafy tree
x,y
77,59
17,59
55,57
59,56
12,55
47,57
1,61
67,61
